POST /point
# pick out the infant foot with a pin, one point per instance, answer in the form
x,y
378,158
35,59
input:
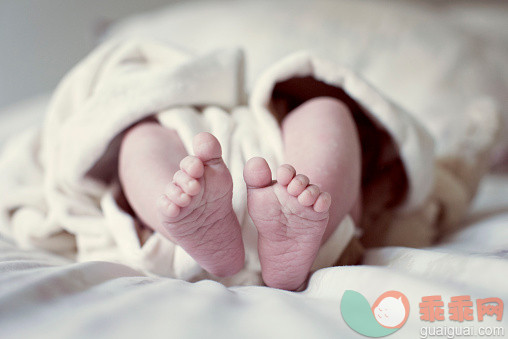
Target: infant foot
x,y
291,217
197,213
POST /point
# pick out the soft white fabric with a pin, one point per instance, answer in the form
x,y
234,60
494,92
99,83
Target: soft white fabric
x,y
53,204
436,59
122,83
44,295
56,204
443,62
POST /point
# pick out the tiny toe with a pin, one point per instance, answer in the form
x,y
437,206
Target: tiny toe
x,y
256,173
168,208
298,184
309,196
207,147
285,174
184,200
192,166
323,202
177,196
188,184
172,189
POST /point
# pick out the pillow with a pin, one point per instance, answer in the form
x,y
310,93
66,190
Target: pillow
x,y
436,59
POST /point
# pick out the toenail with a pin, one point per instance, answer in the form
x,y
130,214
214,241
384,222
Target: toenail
x,y
301,180
312,189
184,198
163,201
174,187
214,161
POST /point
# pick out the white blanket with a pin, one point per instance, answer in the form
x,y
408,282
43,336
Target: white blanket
x,y
43,295
55,202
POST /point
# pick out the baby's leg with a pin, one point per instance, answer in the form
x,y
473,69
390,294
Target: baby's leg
x,y
321,141
185,198
293,218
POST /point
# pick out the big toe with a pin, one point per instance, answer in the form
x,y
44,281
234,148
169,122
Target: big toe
x,y
207,147
256,173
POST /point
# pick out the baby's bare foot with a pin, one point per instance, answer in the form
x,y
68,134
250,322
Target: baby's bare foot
x,y
291,217
196,210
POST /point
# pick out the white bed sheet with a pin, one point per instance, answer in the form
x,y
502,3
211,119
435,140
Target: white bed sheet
x,y
42,295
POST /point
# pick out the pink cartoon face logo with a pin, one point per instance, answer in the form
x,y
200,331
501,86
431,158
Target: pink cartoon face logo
x,y
391,309
386,316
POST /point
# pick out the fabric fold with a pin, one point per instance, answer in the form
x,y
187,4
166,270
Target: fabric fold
x,y
65,197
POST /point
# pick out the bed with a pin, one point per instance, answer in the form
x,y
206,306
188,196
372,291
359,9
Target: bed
x,y
44,295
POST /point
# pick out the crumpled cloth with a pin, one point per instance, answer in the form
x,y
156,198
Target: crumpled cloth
x,y
62,193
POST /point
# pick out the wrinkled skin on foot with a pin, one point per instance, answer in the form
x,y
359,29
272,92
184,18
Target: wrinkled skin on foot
x,y
291,216
196,210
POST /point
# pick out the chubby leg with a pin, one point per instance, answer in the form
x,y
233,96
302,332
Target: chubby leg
x,y
185,198
293,216
321,141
